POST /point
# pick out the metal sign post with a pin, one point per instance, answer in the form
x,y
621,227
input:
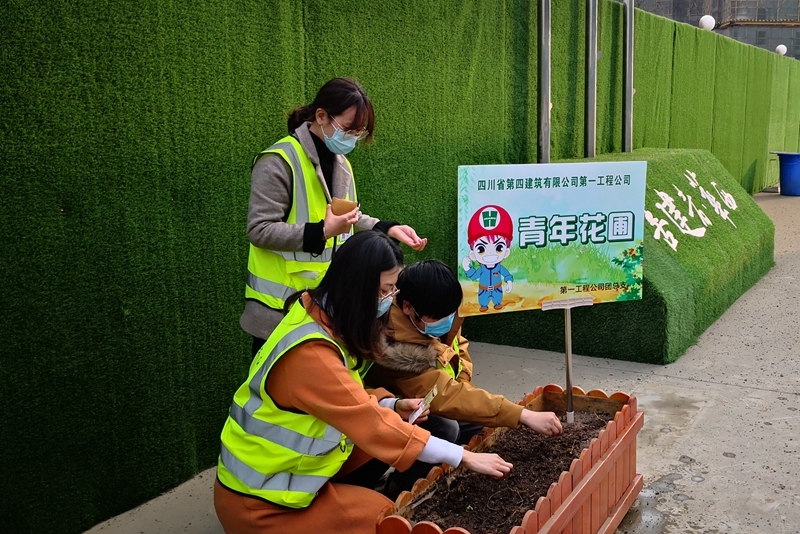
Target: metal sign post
x,y
567,305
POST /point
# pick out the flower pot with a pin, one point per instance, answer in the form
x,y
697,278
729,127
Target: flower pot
x,y
592,497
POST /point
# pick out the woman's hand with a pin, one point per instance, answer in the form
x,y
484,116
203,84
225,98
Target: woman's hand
x,y
405,407
339,224
407,235
486,464
546,423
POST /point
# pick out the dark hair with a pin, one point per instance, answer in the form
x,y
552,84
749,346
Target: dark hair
x,y
349,292
431,287
335,97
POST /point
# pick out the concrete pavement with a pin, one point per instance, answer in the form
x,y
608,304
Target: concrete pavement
x,y
720,448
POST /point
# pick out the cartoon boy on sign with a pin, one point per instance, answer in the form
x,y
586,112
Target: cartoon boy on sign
x,y
489,236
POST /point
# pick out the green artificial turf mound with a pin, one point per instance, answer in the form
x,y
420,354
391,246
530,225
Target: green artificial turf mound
x,y
685,289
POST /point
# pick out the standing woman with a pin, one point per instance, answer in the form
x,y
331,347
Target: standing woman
x,y
292,230
303,417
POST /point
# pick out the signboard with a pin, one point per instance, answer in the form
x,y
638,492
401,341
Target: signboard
x,y
538,232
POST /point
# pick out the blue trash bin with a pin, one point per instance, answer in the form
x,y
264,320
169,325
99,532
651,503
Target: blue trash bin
x,y
789,163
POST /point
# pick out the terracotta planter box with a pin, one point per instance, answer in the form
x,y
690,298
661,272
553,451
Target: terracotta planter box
x,y
592,497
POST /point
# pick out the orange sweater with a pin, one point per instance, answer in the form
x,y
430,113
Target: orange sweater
x,y
312,379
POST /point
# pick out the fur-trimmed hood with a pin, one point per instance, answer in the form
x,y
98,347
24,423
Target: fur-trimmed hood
x,y
409,357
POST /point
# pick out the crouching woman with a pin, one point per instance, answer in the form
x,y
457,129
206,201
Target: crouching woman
x,y
303,418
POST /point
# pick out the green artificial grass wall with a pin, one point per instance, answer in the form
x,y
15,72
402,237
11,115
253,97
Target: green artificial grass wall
x,y
757,120
652,80
128,132
685,290
568,80
456,89
779,102
792,138
610,68
692,107
730,88
777,116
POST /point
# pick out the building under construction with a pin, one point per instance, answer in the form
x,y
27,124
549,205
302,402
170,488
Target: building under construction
x,y
763,23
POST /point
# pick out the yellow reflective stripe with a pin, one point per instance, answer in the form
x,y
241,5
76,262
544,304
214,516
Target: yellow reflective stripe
x,y
324,257
273,433
365,367
291,338
352,191
285,437
455,349
300,204
275,454
449,369
277,482
268,287
300,191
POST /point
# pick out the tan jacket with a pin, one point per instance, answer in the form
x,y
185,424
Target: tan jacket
x,y
410,370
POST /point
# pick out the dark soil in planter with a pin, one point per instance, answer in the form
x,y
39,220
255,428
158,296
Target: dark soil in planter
x,y
485,505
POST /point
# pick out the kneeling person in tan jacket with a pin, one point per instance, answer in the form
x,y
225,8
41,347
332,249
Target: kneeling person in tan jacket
x,y
425,348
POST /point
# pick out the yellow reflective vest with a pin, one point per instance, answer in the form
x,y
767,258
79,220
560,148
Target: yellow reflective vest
x,y
449,367
273,454
274,275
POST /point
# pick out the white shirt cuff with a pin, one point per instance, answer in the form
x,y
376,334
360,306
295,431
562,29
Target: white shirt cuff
x,y
388,402
439,451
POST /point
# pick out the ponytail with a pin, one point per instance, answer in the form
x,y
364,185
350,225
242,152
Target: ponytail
x,y
300,115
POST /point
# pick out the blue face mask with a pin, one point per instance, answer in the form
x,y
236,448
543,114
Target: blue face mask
x,y
384,304
437,328
340,143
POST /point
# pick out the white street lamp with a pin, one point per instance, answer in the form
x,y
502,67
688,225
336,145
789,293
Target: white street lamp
x,y
707,22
